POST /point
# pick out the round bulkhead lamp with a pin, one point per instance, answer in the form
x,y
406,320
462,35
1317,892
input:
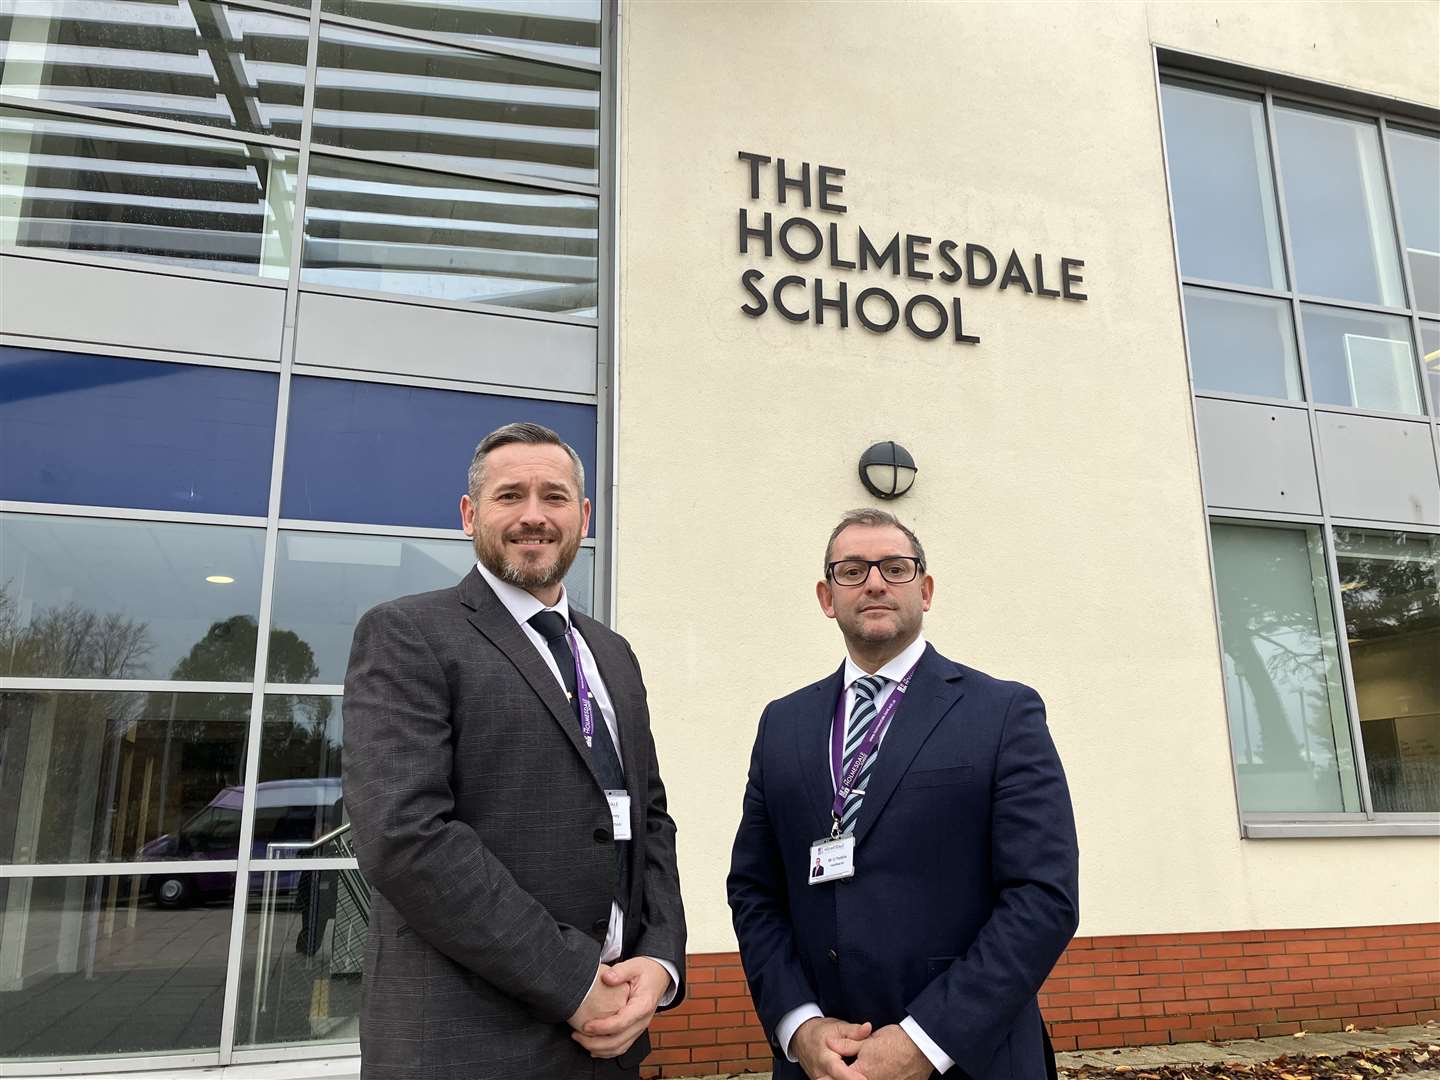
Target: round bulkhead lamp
x,y
887,470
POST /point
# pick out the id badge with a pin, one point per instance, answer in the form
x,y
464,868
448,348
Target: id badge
x,y
619,813
832,860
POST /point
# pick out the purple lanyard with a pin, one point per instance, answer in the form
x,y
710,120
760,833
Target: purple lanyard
x,y
878,723
582,691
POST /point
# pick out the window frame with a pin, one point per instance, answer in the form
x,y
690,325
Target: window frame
x,y
1204,73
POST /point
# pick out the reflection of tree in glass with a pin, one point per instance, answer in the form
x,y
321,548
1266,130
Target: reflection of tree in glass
x,y
1393,605
227,654
295,739
1295,658
1389,596
70,641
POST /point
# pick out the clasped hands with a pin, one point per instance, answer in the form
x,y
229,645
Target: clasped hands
x,y
618,1008
822,1045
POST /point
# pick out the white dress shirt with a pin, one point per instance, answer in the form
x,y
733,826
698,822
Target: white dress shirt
x,y
892,673
523,607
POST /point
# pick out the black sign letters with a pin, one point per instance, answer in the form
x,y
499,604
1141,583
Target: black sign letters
x,y
838,247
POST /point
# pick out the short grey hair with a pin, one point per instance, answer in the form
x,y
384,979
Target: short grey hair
x,y
874,518
528,435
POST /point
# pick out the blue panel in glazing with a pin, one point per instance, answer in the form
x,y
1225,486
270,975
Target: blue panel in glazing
x,y
398,455
108,431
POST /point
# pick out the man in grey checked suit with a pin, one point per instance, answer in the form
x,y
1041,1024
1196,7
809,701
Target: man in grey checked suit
x,y
507,806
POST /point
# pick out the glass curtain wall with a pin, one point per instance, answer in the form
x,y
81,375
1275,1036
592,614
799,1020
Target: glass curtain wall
x,y
1308,238
186,542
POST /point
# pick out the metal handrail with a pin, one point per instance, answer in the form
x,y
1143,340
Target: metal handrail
x,y
329,837
358,894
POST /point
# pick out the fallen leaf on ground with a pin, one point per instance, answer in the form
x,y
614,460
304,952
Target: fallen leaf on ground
x,y
1360,1064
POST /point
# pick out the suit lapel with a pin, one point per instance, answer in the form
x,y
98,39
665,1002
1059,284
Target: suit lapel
x,y
490,617
812,748
933,692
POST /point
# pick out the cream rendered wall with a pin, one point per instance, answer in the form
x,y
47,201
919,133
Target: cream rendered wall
x,y
1058,494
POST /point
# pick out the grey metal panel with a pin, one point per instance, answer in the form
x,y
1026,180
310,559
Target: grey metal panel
x,y
67,301
1256,457
444,343
1379,469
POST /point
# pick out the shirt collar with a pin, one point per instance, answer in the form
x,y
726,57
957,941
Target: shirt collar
x,y
521,605
894,670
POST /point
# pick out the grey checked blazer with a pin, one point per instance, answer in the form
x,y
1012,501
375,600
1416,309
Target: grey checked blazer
x,y
485,834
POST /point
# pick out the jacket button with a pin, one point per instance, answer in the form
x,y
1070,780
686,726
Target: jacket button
x,y
602,836
600,927
833,955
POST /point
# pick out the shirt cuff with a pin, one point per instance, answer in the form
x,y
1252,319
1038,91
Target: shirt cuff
x,y
674,981
939,1060
790,1023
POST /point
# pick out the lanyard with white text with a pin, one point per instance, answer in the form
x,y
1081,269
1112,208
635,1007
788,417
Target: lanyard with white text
x,y
878,723
582,692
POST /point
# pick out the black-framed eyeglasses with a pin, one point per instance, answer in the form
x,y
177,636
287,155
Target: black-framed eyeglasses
x,y
895,569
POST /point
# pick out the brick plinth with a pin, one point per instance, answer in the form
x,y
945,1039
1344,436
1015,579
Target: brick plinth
x,y
1241,984
1131,991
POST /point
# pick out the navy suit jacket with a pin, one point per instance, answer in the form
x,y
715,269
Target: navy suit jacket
x,y
966,889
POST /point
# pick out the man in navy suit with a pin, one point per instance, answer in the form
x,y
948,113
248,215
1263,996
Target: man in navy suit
x,y
935,796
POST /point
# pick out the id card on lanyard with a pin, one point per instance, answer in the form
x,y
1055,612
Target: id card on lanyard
x,y
832,858
619,800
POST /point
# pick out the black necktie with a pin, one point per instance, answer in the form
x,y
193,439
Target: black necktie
x,y
551,625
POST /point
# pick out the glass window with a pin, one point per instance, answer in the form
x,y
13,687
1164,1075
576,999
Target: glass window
x,y
324,582
1360,358
113,599
120,777
1288,727
194,61
450,107
299,796
1390,588
398,455
1415,159
396,230
569,29
156,196
107,431
1220,180
1342,236
300,975
1241,344
1430,351
96,965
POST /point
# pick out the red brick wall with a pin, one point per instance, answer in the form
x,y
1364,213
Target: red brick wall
x,y
1241,984
715,1028
1130,991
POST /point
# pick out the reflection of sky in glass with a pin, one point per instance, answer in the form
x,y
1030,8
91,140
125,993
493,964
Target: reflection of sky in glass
x,y
1341,230
324,582
127,598
1220,180
1360,358
1415,160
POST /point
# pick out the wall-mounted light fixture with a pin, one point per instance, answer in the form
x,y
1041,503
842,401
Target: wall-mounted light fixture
x,y
887,470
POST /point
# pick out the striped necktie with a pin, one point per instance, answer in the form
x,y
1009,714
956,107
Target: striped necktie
x,y
862,712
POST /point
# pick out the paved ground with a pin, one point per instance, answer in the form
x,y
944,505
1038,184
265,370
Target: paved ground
x,y
1335,1043
1242,1050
